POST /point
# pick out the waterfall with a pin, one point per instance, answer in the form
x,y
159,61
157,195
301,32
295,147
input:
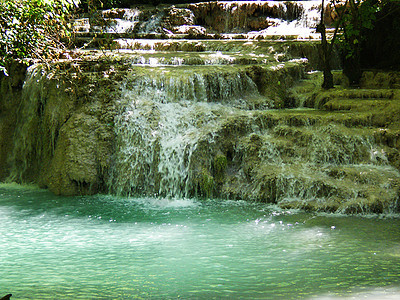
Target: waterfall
x,y
194,130
261,18
300,18
162,120
28,149
123,22
152,25
185,131
206,118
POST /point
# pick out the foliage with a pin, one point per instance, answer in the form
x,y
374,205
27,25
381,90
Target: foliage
x,y
32,28
377,50
353,18
91,5
359,15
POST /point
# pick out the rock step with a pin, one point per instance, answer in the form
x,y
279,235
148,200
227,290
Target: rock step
x,y
365,94
316,166
343,189
359,104
345,99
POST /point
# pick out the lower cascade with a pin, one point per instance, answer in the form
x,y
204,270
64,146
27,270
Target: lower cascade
x,y
172,140
162,121
235,118
198,131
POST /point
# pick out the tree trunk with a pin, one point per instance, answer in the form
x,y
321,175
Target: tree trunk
x,y
351,63
352,70
328,77
326,59
326,53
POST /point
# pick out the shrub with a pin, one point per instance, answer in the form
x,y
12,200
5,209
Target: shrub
x,y
32,28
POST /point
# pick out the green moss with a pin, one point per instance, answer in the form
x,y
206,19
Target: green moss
x,y
206,183
220,163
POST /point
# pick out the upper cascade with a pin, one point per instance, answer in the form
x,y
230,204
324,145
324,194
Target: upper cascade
x,y
222,19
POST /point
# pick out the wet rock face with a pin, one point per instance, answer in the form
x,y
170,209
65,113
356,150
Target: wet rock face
x,y
10,89
317,168
179,16
182,21
63,134
82,155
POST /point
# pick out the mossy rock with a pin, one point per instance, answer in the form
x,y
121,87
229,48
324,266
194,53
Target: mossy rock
x,y
220,163
206,184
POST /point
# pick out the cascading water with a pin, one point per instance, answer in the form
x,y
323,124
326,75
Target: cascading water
x,y
163,117
28,150
205,129
301,20
184,118
259,18
122,25
338,165
171,132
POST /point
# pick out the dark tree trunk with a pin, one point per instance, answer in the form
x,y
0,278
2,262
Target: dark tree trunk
x,y
352,69
328,77
325,54
351,63
326,59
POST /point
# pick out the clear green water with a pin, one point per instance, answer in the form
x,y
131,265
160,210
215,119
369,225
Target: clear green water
x,y
105,247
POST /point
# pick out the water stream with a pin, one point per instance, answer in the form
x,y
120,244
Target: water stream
x,y
107,247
